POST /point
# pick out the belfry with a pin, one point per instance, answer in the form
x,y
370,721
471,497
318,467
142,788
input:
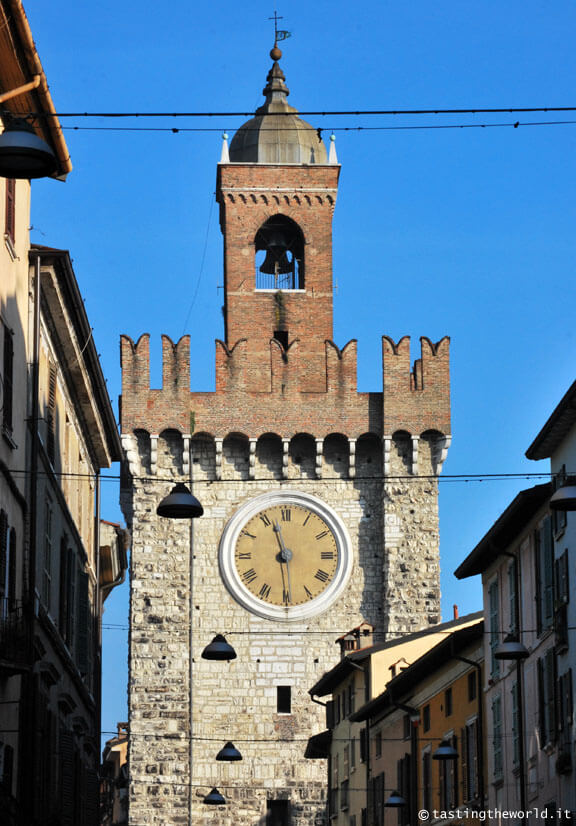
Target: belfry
x,y
320,502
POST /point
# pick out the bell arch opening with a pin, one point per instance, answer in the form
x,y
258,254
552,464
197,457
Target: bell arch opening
x,y
279,251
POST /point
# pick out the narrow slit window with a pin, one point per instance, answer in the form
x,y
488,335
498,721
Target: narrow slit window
x,y
284,699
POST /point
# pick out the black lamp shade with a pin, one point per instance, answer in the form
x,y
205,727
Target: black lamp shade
x,y
219,649
180,504
395,801
229,753
511,649
23,154
214,798
445,752
564,499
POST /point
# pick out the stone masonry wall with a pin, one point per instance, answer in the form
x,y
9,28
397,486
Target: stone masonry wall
x,y
183,708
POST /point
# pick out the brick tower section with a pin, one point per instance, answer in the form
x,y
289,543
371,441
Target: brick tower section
x,y
283,416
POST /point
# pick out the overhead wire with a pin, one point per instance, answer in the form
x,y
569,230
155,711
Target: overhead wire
x,y
177,130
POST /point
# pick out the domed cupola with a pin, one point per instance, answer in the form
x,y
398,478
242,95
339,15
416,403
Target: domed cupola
x,y
276,134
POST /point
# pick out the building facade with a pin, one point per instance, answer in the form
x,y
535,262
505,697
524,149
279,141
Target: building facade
x,y
556,441
320,503
368,736
528,699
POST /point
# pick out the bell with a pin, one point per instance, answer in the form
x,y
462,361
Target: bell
x,y
229,753
214,798
276,262
180,504
23,154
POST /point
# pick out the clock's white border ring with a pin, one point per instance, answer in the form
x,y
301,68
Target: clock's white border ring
x,y
235,585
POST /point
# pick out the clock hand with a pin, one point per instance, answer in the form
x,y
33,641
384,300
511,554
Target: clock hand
x,y
285,556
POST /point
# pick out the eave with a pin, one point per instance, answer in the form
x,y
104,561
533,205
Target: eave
x,y
20,65
561,421
505,530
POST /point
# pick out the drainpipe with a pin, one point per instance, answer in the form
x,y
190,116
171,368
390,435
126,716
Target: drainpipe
x,y
27,721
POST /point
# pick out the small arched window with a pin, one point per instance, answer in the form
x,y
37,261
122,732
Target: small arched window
x,y
279,247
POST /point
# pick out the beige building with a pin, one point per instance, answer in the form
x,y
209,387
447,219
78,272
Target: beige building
x,y
528,698
435,702
114,779
357,682
57,431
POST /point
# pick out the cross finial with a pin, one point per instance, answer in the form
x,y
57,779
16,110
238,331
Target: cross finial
x,y
276,18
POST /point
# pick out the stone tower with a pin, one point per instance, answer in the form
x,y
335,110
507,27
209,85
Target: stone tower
x,y
320,503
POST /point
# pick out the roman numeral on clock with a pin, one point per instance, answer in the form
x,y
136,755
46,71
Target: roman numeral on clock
x,y
327,555
250,575
246,533
265,519
321,535
309,593
245,555
264,591
286,514
321,575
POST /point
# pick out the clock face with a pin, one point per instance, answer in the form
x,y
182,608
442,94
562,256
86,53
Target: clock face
x,y
285,555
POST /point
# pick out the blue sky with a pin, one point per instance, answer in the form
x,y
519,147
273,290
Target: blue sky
x,y
460,232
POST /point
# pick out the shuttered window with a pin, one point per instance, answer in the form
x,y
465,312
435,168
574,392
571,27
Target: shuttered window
x,y
51,414
10,219
497,765
7,378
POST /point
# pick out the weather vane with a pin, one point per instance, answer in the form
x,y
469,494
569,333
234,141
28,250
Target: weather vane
x,y
279,34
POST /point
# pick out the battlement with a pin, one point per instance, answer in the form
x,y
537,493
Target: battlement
x,y
416,398
298,389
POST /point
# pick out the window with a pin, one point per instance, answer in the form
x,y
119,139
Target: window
x,y
351,698
279,245
47,555
277,813
51,414
3,564
407,726
284,699
559,518
515,725
565,707
344,796
363,735
497,765
334,787
352,754
448,702
404,787
513,596
377,792
282,337
426,780
10,220
469,737
544,575
7,378
472,686
562,580
494,606
449,779
547,698
426,718
378,744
